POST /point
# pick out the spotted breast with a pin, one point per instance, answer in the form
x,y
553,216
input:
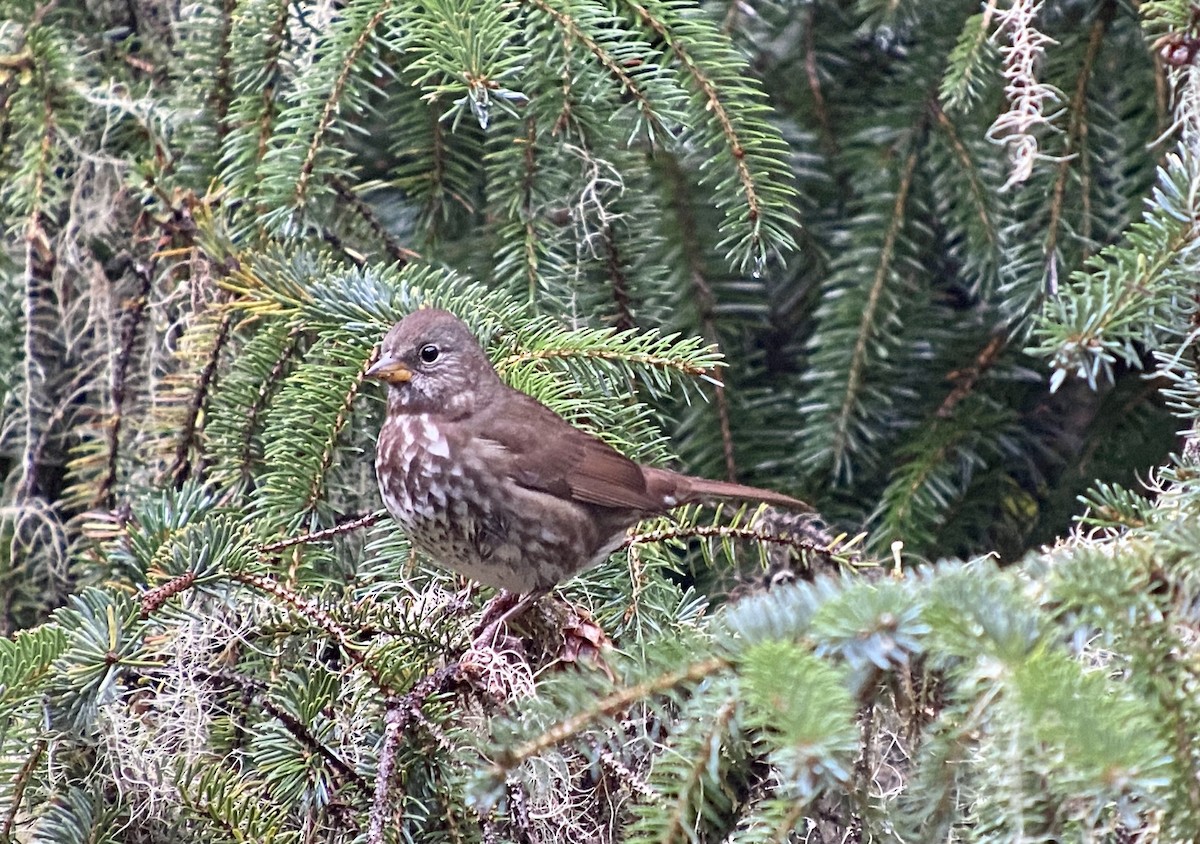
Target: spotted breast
x,y
441,500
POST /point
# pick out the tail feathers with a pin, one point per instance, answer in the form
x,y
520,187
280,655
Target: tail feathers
x,y
693,489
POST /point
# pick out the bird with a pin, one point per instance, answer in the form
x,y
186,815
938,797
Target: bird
x,y
489,482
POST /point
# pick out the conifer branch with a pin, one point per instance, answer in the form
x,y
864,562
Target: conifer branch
x,y
752,534
302,734
965,379
153,599
320,618
1077,128
479,125
256,690
714,104
704,297
609,705
273,42
970,169
855,373
813,77
333,101
640,359
680,818
20,783
400,712
222,93
438,156
609,62
529,172
618,282
259,405
393,732
317,483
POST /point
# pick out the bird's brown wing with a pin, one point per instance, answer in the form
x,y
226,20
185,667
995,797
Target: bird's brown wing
x,y
548,454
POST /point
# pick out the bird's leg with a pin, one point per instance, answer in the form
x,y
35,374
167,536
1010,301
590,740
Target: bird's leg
x,y
504,608
498,605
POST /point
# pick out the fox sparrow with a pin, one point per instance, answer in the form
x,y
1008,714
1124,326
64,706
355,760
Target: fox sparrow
x,y
493,484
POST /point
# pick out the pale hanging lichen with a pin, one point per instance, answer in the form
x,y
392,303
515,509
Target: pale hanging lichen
x,y
1028,99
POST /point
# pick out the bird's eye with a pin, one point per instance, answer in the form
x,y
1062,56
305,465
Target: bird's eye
x,y
430,353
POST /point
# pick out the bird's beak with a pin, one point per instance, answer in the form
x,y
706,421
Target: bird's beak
x,y
389,370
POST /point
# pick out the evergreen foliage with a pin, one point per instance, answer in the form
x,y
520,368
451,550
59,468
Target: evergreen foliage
x,y
929,266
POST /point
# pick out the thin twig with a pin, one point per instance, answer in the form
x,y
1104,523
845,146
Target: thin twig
x,y
813,76
260,401
714,105
302,734
1077,128
608,61
222,92
130,323
392,732
364,520
17,793
604,354
273,42
401,713
335,431
887,254
618,280
724,532
398,253
181,467
966,378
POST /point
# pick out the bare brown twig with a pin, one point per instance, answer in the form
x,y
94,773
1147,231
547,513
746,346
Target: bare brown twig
x,y
364,520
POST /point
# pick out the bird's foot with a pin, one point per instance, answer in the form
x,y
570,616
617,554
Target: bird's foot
x,y
499,604
562,634
499,611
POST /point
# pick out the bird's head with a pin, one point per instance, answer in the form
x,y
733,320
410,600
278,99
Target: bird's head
x,y
432,363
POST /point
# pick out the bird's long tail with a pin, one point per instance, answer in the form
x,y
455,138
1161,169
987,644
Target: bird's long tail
x,y
689,490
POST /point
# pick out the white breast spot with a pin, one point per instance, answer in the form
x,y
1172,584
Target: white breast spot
x,y
438,446
425,436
